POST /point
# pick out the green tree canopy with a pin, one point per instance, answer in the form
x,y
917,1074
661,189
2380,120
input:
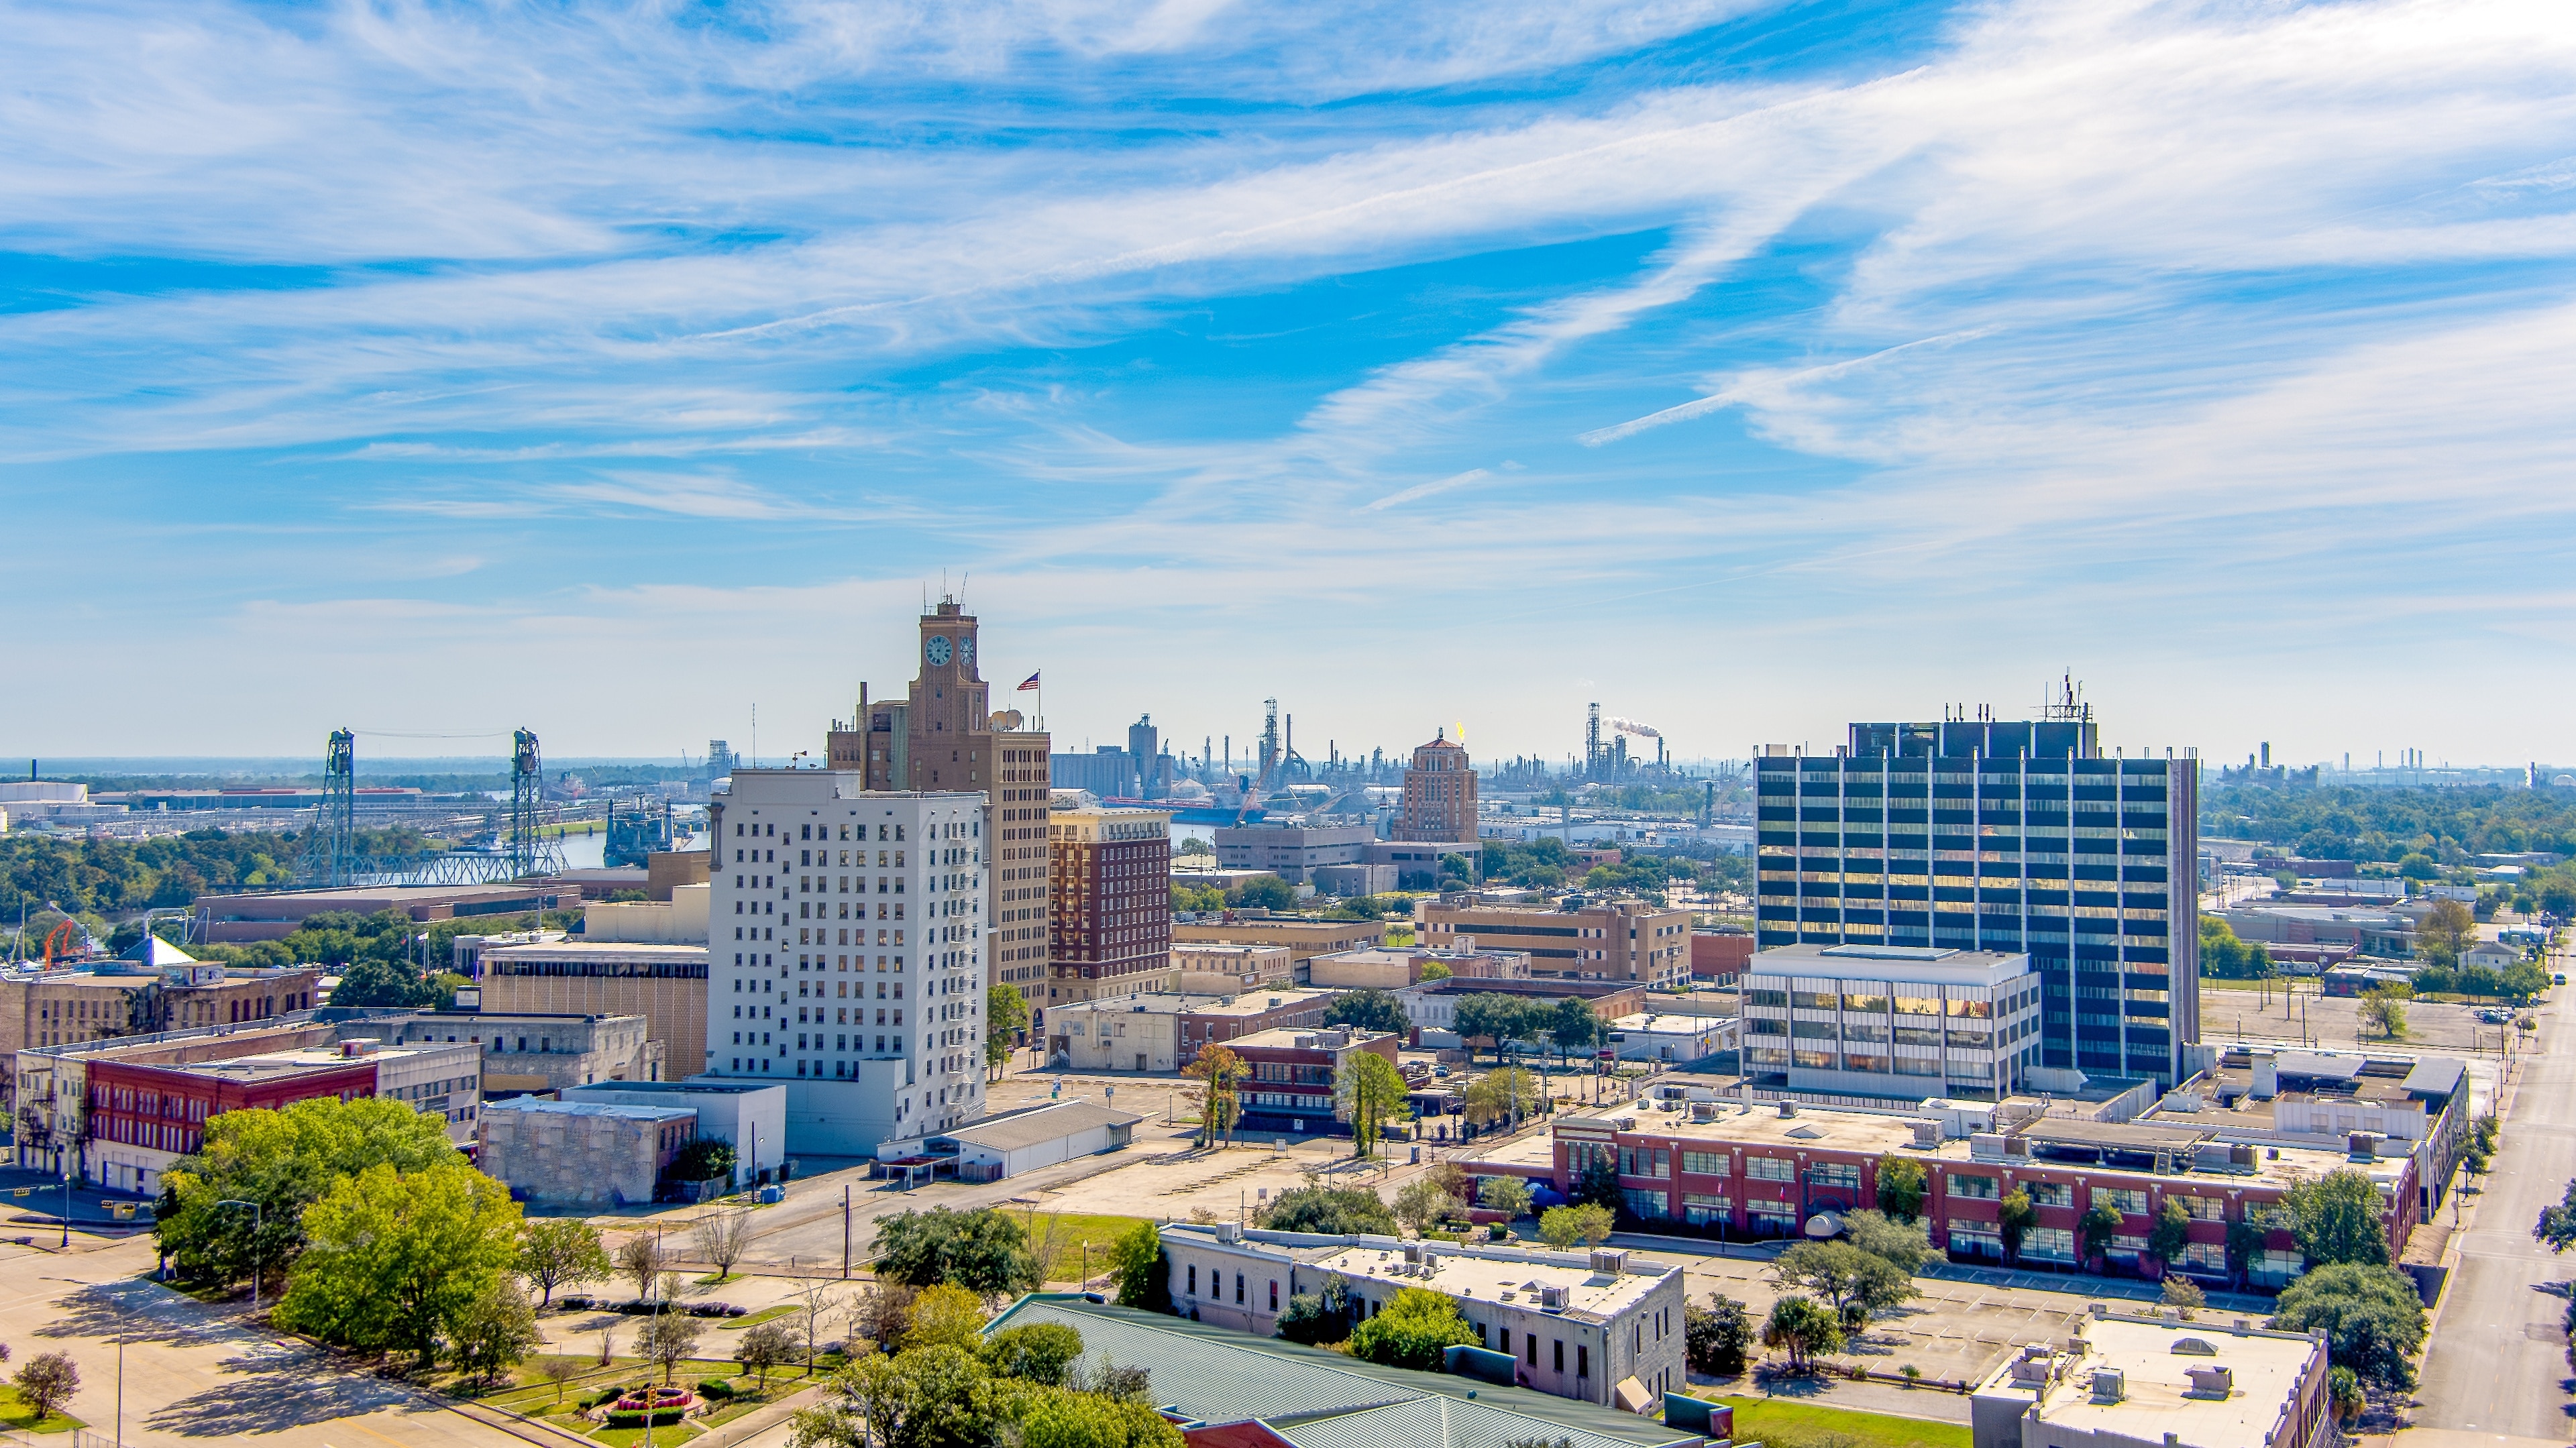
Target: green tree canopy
x,y
1901,1186
1262,892
1905,1243
2557,1225
1370,1092
1333,1211
1142,1272
560,1251
2014,1217
1006,1014
285,1161
983,1251
1715,1337
392,1259
1369,1010
1040,1352
1412,1331
2372,1316
1856,1284
1588,1224
1802,1328
2335,1218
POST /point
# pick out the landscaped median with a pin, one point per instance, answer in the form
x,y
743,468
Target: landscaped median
x,y
605,1404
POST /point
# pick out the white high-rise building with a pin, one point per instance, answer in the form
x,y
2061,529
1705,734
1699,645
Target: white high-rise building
x,y
845,954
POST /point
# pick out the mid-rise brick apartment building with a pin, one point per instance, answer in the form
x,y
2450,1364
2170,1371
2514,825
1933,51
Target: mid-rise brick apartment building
x,y
1293,1073
1627,940
1166,1031
1111,914
1754,1172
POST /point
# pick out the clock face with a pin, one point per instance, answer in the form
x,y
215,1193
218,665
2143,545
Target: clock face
x,y
936,651
966,648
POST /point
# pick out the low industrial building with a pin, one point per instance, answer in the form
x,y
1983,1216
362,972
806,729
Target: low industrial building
x,y
1200,968
581,1153
541,1052
2394,1103
751,1117
1350,882
1292,852
1382,967
2125,1381
1162,1031
1576,1325
1670,1039
1011,1142
679,920
1305,939
1228,1389
1894,1021
274,915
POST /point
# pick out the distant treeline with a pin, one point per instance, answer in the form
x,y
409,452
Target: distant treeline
x,y
2448,824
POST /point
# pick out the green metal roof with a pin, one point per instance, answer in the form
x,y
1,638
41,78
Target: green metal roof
x,y
1321,1399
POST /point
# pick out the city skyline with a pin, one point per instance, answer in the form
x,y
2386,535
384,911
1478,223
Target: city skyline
x,y
1747,368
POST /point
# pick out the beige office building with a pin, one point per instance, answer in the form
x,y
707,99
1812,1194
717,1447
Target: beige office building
x,y
665,984
1305,939
1623,940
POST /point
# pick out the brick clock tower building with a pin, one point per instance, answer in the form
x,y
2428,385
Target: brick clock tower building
x,y
944,737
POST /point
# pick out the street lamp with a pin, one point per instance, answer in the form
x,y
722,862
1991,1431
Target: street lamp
x,y
255,1217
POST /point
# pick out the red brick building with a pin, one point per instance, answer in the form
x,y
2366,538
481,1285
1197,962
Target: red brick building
x,y
1761,1174
1719,956
1111,912
1439,795
1293,1076
164,1108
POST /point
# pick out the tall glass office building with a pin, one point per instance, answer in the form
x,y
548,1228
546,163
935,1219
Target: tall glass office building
x,y
2003,836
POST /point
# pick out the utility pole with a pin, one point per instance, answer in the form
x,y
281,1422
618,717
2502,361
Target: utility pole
x,y
845,1231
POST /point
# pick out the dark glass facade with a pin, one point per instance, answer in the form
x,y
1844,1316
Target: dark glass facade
x,y
2087,864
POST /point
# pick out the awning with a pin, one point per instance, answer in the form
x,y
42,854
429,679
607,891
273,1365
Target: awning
x,y
1823,1225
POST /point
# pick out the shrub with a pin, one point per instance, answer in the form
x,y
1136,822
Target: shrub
x,y
574,1302
635,1419
714,1388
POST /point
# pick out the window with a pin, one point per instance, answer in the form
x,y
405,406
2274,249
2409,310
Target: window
x,y
1641,1162
1981,1188
2052,1244
1194,1279
1706,1163
1834,1174
2050,1194
1560,1354
1697,1208
2122,1199
1770,1169
2202,1209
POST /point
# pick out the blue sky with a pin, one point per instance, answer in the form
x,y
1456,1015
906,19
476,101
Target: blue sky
x,y
1745,367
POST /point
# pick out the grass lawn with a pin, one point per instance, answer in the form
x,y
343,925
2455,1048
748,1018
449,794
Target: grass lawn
x,y
628,1437
1779,1423
16,1414
1071,1230
765,1314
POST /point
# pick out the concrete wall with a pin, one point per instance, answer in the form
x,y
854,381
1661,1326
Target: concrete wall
x,y
569,1159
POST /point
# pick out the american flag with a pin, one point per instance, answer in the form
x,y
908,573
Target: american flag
x,y
1030,682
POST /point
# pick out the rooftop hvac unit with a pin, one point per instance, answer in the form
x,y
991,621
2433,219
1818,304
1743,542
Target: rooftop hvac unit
x,y
1551,1297
1229,1231
2109,1385
1788,1108
2212,1381
1612,1260
2364,1145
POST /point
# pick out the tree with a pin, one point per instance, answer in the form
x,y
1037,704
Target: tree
x,y
2557,1225
641,1257
722,1238
763,1347
2372,1317
1434,970
284,1161
559,1370
1422,1202
1598,1182
1412,1331
2447,930
1857,1285
2383,1009
1504,1194
946,1316
1369,1010
1038,1352
985,1251
880,1314
1056,1418
1714,1338
1332,1211
668,1340
1495,1015
1137,1265
1904,1243
1589,1223
1500,1096
490,1333
2095,1229
816,1304
1802,1328
1315,1318
2184,1295
2343,1389
1219,1071
1006,1014
1901,1187
46,1383
2244,1240
704,1159
393,1258
1573,1026
1369,1092
2014,1217
1262,892
2171,1234
560,1251
2335,1218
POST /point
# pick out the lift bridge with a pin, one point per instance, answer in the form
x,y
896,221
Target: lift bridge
x,y
521,847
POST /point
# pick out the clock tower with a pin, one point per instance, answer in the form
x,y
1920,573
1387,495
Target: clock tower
x,y
944,736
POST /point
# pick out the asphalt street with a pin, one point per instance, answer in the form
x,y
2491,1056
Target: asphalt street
x,y
2497,1364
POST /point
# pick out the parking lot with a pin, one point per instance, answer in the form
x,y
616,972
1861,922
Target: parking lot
x,y
2229,1012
